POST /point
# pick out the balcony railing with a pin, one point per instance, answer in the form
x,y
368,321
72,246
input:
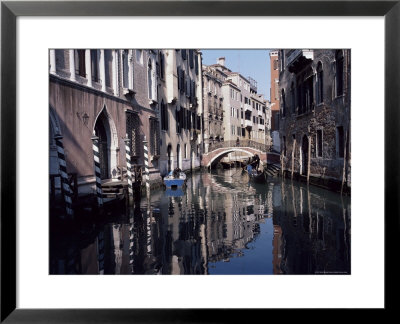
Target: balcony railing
x,y
241,143
297,54
248,123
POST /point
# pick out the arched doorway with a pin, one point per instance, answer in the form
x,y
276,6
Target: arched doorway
x,y
102,131
304,155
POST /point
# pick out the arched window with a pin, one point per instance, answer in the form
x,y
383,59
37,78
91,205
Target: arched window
x,y
339,73
320,84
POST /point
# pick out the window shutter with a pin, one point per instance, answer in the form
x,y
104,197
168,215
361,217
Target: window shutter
x,y
162,65
196,64
191,58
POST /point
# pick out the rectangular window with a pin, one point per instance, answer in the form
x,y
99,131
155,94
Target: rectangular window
x,y
183,52
125,69
94,62
80,67
185,151
154,137
164,116
191,63
196,65
319,143
108,62
162,66
340,141
320,91
275,64
339,77
133,132
178,121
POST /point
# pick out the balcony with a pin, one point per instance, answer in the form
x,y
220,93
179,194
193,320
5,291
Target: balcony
x,y
248,123
247,107
260,113
297,59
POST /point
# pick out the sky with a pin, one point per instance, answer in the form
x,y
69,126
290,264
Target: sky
x,y
253,63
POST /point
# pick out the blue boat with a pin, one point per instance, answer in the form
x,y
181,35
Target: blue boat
x,y
175,179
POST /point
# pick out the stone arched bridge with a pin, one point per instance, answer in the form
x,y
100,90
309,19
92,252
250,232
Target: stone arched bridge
x,y
220,149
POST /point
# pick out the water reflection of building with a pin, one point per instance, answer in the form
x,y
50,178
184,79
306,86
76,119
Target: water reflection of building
x,y
211,223
233,219
312,233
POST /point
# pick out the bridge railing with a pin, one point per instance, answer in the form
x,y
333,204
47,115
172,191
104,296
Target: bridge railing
x,y
241,143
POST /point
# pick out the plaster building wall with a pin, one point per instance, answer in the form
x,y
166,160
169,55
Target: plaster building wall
x,y
102,93
181,109
315,114
232,109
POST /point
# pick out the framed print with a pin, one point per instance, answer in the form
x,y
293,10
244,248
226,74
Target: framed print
x,y
45,45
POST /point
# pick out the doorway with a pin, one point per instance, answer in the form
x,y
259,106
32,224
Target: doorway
x,y
304,155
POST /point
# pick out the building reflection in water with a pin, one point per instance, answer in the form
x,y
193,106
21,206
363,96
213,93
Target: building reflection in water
x,y
219,220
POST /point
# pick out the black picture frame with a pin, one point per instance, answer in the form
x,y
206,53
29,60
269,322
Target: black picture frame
x,y
10,10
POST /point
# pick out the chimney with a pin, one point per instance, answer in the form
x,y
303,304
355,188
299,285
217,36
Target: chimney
x,y
221,61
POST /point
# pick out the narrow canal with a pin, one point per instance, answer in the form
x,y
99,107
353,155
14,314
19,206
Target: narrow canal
x,y
219,224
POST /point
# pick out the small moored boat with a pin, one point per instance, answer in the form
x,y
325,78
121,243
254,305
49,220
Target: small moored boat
x,y
175,179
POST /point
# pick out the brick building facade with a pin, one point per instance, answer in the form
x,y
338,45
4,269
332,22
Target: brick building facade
x,y
274,99
315,129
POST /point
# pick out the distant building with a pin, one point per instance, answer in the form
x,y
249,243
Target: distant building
x,y
244,110
213,106
315,134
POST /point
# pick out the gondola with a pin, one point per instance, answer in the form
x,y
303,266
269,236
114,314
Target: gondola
x,y
256,175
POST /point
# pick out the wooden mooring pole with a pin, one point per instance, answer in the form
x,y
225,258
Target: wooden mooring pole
x,y
293,154
309,159
97,172
128,168
66,189
344,163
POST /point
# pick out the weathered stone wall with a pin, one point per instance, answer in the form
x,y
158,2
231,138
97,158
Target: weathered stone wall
x,y
332,112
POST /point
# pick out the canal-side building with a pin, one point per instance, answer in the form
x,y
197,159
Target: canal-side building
x,y
100,101
274,99
180,109
314,123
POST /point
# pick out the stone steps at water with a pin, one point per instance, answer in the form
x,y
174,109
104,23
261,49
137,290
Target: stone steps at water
x,y
272,170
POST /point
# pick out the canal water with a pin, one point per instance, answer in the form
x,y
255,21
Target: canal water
x,y
220,224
